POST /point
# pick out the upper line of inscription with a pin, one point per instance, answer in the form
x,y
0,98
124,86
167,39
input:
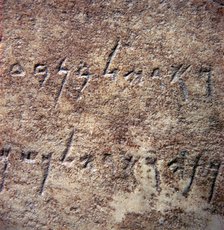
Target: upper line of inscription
x,y
133,77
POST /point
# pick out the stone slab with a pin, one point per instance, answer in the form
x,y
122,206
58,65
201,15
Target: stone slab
x,y
112,114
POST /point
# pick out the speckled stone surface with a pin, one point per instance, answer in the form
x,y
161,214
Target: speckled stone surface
x,y
111,115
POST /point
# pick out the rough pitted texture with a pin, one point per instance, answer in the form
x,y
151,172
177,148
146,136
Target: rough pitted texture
x,y
112,115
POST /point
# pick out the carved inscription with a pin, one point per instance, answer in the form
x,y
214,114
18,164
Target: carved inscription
x,y
113,73
214,168
28,155
45,165
195,166
156,73
177,76
177,164
86,160
184,166
4,155
84,74
152,161
62,70
16,70
133,77
207,73
41,72
68,146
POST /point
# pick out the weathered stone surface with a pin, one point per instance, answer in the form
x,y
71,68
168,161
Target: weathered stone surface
x,y
111,114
